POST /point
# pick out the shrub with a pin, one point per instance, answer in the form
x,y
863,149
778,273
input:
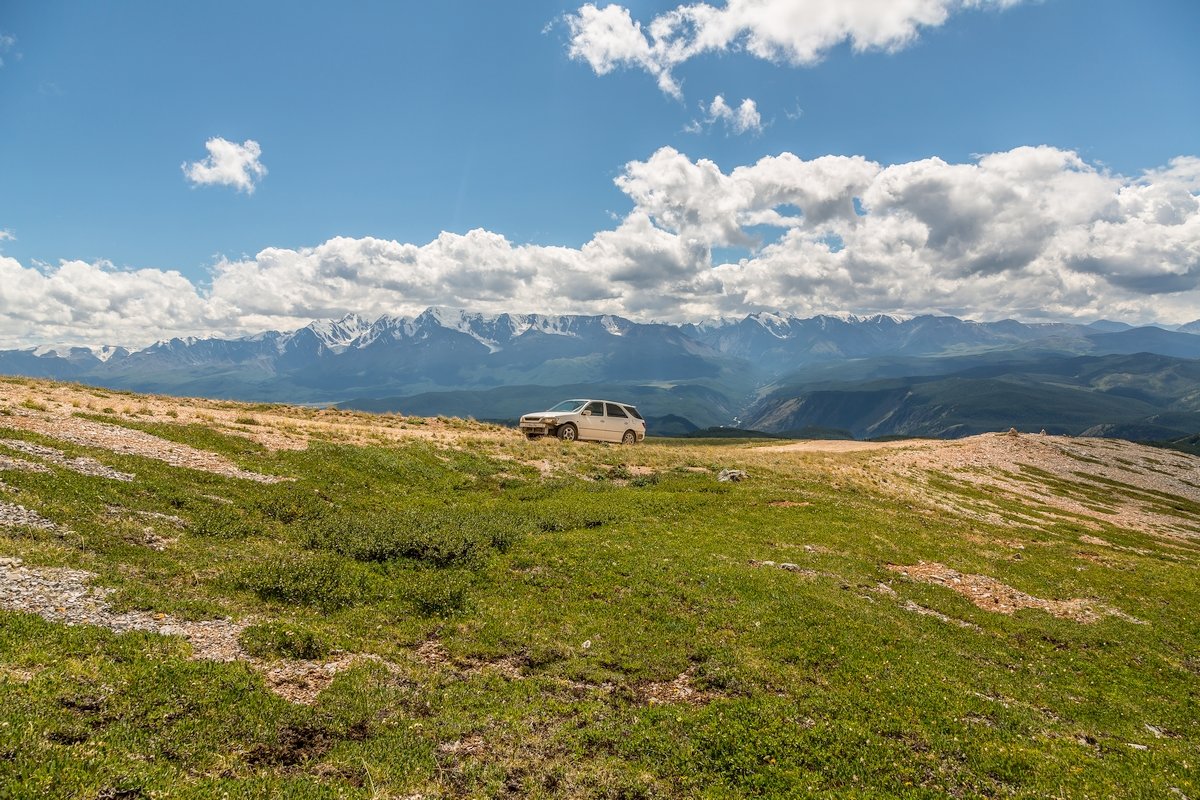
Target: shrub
x,y
221,522
288,504
439,537
620,473
283,640
323,581
439,593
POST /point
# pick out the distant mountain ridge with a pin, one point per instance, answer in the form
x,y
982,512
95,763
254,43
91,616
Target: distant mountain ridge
x,y
718,372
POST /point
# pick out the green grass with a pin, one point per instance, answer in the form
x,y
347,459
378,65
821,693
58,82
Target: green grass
x,y
595,584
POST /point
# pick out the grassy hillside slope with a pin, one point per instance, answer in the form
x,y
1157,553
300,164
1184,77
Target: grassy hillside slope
x,y
1141,396
435,608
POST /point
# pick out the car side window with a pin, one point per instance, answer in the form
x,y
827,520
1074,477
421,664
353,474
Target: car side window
x,y
596,408
615,411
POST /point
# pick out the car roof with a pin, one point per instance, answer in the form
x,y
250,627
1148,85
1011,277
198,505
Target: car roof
x,y
614,402
598,400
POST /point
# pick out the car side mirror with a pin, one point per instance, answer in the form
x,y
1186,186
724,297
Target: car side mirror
x,y
587,412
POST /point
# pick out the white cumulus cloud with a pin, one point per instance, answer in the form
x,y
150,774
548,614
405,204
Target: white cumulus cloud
x,y
228,164
798,32
745,118
1031,233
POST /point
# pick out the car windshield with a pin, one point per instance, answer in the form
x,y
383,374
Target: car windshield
x,y
569,405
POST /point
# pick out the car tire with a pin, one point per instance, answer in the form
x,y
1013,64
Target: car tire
x,y
568,432
629,438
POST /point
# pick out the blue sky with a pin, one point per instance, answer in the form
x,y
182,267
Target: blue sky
x,y
400,121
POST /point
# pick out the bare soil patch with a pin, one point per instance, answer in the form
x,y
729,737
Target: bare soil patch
x,y
917,608
841,446
432,653
998,460
678,690
992,595
274,426
787,567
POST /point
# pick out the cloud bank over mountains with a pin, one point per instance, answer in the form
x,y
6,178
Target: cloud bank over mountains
x,y
799,32
1031,233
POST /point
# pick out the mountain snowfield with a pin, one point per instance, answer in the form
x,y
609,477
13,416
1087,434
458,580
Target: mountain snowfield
x,y
496,330
859,376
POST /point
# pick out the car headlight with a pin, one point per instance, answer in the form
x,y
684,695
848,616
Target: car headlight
x,y
550,420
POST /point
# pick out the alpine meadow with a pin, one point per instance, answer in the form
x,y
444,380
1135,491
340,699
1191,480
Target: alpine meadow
x,y
672,399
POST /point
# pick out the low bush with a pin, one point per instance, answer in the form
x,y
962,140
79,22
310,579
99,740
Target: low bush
x,y
324,581
287,504
438,537
282,640
222,522
439,592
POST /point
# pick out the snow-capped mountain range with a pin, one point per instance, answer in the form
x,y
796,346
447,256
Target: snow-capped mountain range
x,y
826,333
452,350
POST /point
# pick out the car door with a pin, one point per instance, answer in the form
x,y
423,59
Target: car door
x,y
591,426
616,422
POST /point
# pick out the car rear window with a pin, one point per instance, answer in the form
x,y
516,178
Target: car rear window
x,y
632,411
615,410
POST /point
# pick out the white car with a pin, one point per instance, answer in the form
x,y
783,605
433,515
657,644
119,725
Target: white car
x,y
597,420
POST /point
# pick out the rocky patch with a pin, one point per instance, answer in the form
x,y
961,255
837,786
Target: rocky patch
x,y
15,516
118,439
992,595
81,464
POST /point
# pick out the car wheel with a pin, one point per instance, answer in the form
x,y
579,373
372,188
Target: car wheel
x,y
629,438
568,432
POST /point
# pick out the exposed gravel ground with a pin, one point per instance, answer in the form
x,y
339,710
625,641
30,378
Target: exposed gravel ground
x,y
82,464
998,461
128,441
992,595
67,596
15,516
8,462
995,460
